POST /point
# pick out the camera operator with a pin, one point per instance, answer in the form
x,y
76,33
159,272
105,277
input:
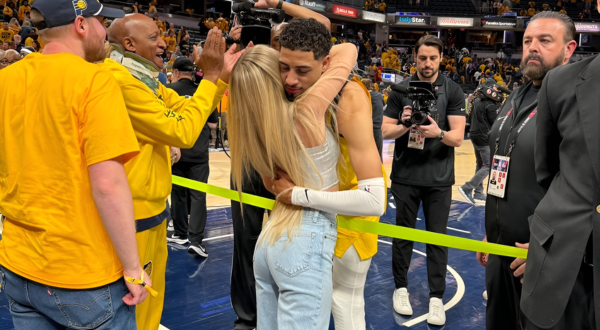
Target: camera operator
x,y
485,111
423,170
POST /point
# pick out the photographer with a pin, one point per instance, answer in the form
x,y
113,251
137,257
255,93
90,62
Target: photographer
x,y
485,111
423,170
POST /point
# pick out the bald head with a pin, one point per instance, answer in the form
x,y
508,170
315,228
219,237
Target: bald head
x,y
138,34
275,32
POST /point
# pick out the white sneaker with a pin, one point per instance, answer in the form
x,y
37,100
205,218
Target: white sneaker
x,y
170,226
485,295
401,302
176,239
437,315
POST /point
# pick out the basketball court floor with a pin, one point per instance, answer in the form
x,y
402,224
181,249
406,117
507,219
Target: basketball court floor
x,y
197,289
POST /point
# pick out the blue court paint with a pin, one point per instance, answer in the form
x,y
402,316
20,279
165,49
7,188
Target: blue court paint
x,y
197,294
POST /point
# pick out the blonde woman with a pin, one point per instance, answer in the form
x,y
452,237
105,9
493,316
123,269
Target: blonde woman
x,y
269,133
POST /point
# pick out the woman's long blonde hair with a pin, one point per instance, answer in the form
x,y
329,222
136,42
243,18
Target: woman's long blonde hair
x,y
263,132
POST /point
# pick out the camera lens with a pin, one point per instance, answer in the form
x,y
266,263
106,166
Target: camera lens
x,y
418,118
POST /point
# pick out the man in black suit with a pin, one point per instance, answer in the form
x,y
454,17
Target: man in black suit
x,y
547,43
192,165
558,284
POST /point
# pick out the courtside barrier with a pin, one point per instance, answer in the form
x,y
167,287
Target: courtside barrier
x,y
377,228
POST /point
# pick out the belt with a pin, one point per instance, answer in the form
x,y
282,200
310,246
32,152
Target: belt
x,y
151,222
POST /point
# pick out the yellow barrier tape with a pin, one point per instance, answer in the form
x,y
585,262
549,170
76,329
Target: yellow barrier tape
x,y
377,228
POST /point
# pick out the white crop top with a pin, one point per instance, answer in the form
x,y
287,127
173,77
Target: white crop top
x,y
325,158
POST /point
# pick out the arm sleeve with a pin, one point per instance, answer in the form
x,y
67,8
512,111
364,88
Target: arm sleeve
x,y
173,120
367,200
331,82
105,128
547,139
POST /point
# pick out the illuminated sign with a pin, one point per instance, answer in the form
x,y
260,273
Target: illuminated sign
x,y
587,27
345,11
313,4
421,20
371,16
455,21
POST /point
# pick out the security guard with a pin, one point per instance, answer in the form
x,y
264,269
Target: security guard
x,y
514,194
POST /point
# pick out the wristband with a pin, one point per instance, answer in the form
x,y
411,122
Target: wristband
x,y
279,5
142,283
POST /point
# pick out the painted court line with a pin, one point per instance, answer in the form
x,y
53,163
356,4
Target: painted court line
x,y
216,237
460,230
162,327
460,292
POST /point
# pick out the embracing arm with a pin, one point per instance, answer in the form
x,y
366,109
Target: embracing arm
x,y
355,123
295,11
342,59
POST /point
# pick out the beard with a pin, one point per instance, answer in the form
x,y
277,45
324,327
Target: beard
x,y
538,71
433,72
93,48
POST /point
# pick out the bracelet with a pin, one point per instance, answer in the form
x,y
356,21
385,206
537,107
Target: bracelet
x,y
142,283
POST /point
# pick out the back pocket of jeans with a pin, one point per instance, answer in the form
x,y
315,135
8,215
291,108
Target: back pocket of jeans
x,y
293,258
84,309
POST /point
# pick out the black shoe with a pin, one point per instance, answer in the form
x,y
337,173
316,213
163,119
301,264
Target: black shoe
x,y
172,238
198,249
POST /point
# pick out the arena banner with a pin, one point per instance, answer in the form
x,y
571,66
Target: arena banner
x,y
455,21
371,16
412,20
345,11
376,228
499,23
313,4
587,27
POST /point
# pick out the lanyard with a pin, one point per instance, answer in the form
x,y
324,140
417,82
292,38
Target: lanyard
x,y
514,140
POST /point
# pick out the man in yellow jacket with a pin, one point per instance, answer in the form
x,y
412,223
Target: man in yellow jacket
x,y
160,119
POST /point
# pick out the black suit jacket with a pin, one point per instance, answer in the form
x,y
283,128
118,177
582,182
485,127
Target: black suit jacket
x,y
567,159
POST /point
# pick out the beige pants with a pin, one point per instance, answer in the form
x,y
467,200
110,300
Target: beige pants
x,y
349,277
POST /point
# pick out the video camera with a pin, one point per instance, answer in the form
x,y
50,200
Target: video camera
x,y
490,90
256,22
424,102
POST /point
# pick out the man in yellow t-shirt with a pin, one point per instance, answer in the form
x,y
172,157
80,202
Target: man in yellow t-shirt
x,y
69,230
161,119
24,9
9,10
171,42
6,34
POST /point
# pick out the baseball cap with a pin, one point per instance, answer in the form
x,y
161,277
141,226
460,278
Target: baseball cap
x,y
62,12
183,64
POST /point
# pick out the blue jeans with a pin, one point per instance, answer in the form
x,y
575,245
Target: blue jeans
x,y
294,283
41,307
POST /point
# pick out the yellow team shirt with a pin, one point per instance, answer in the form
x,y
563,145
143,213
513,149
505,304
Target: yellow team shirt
x,y
482,67
171,43
385,98
53,233
8,12
333,40
22,11
413,69
7,35
160,118
364,243
28,42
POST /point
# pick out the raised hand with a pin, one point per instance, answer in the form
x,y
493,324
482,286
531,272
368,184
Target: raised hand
x,y
212,58
231,57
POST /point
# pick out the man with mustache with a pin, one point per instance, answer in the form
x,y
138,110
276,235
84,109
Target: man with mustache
x,y
547,43
560,286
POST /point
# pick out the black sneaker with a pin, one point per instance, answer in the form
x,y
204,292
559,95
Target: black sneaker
x,y
172,238
198,249
467,194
